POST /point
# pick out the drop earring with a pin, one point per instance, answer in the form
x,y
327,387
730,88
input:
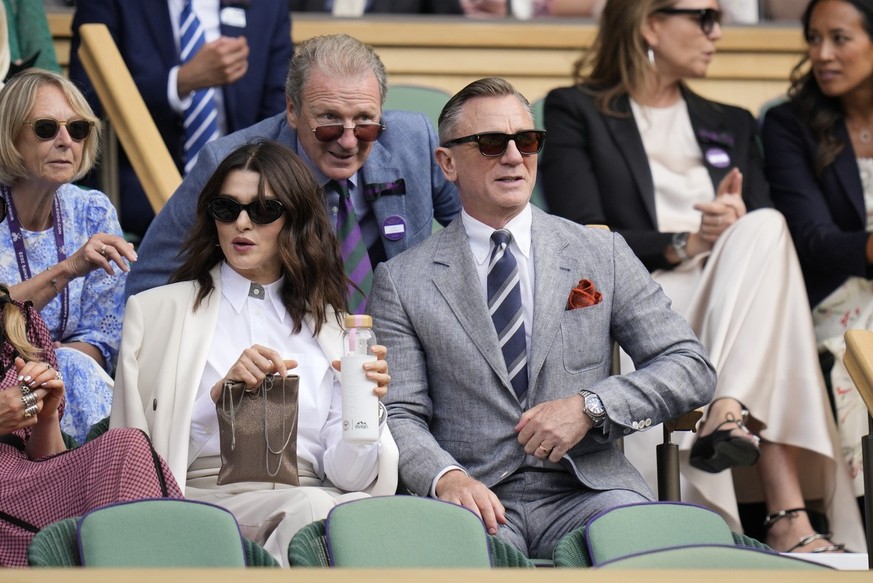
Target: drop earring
x,y
651,54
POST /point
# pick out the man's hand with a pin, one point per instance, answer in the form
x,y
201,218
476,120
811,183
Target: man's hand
x,y
220,62
458,488
553,427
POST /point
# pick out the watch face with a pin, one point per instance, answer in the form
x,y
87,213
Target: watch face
x,y
594,405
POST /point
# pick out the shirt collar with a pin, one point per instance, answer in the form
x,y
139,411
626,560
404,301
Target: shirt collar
x,y
235,289
479,234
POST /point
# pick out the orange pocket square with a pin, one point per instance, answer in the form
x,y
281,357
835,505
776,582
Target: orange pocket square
x,y
583,295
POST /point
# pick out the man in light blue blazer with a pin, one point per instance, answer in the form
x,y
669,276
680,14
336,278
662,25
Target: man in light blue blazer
x,y
530,445
397,189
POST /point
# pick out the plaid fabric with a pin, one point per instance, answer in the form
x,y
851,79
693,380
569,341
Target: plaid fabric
x,y
120,465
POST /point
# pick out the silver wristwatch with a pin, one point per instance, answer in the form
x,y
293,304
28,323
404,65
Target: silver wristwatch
x,y
680,245
593,407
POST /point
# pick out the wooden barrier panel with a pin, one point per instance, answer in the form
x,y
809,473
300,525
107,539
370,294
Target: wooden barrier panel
x,y
128,114
751,67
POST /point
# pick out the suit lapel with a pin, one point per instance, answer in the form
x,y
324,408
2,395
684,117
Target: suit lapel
x,y
846,169
160,26
712,135
556,274
628,141
198,329
456,279
378,169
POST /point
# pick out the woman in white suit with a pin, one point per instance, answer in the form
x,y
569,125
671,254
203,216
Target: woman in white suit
x,y
261,291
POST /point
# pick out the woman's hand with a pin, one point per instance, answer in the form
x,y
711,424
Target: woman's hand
x,y
47,388
252,367
726,209
377,370
100,251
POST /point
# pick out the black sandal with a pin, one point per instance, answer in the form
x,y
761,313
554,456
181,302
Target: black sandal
x,y
810,538
720,450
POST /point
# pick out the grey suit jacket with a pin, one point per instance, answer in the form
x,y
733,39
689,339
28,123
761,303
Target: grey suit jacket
x,y
451,402
403,152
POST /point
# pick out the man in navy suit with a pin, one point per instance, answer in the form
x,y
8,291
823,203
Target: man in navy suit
x,y
334,120
245,57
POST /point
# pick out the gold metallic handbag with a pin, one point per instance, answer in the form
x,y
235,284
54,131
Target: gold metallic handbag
x,y
258,431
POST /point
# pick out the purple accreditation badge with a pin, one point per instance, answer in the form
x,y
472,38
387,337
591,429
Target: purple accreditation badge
x,y
394,228
717,157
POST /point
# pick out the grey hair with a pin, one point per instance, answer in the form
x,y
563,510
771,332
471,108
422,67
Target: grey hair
x,y
487,87
335,55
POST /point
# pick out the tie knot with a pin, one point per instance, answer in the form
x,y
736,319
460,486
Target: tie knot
x,y
501,237
342,187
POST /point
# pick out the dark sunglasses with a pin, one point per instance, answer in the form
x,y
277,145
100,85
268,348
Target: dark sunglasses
x,y
494,144
365,132
47,128
227,210
2,209
708,17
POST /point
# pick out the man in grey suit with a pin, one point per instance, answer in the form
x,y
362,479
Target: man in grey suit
x,y
335,89
529,446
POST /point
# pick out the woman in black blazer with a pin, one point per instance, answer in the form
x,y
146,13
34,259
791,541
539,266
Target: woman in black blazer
x,y
819,149
630,146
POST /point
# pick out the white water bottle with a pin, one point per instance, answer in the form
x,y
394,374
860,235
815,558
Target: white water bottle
x,y
360,405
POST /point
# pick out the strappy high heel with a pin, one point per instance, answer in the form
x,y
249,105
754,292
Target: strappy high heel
x,y
721,450
805,540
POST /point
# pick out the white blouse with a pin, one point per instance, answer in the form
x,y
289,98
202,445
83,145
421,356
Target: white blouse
x,y
678,172
247,317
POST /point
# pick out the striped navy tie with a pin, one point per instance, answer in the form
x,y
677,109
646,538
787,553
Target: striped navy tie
x,y
504,305
200,120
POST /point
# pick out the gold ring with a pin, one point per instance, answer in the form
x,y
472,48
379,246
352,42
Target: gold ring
x,y
544,450
30,411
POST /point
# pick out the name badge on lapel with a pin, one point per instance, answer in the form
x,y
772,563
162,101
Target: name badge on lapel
x,y
233,16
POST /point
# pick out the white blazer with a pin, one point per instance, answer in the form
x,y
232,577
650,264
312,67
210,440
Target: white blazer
x,y
163,353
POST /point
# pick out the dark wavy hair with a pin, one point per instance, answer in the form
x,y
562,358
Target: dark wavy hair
x,y
822,113
311,261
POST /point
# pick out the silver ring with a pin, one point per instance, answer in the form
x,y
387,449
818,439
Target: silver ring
x,y
47,365
58,376
30,411
25,390
28,400
103,251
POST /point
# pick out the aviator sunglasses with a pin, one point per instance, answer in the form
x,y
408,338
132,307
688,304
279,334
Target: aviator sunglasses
x,y
227,210
47,128
707,17
494,144
365,132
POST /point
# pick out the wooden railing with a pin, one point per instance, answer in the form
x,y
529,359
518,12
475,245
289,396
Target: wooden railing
x,y
128,115
751,68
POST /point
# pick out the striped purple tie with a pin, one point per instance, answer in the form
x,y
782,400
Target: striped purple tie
x,y
354,250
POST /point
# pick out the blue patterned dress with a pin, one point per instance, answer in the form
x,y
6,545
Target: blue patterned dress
x,y
96,303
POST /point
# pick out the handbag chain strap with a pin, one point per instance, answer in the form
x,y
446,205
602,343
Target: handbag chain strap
x,y
267,385
225,391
